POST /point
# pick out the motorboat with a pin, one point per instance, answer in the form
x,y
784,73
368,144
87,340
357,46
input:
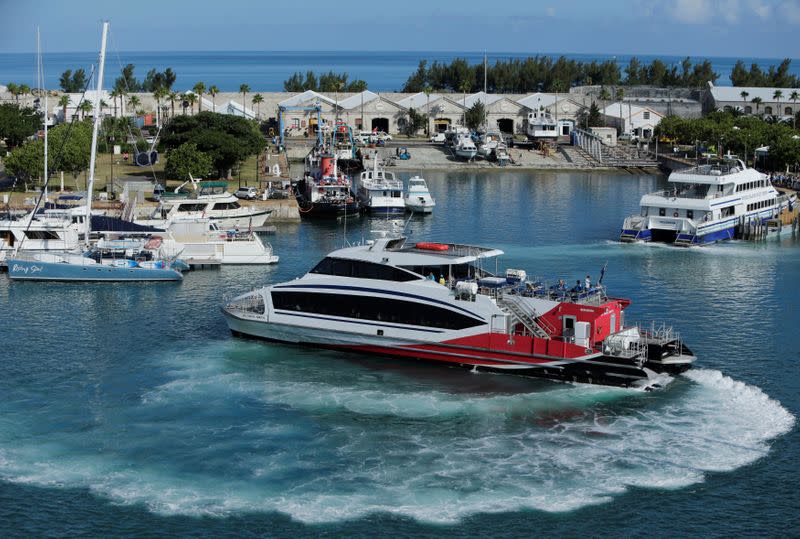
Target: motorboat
x,y
501,155
325,191
418,198
203,241
489,141
709,202
542,126
380,192
206,199
438,302
465,148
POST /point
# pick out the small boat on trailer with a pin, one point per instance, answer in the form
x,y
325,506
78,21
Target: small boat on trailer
x,y
437,302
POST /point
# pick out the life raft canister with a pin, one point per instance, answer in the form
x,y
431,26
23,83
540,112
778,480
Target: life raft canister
x,y
433,246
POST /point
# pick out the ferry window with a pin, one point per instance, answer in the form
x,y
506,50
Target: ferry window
x,y
41,235
373,308
192,207
662,212
362,270
690,214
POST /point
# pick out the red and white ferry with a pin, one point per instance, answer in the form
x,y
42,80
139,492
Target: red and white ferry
x,y
439,302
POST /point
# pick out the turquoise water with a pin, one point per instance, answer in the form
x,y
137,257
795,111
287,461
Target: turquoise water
x,y
129,409
265,71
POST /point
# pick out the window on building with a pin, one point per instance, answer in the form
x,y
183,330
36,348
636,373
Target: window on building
x,y
374,308
787,111
748,109
646,115
767,110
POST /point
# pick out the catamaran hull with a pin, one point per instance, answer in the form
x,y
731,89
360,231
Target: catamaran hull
x,y
596,368
27,270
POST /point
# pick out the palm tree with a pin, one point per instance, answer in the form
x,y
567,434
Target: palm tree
x,y
757,100
85,107
173,96
243,89
744,94
777,97
604,96
63,102
133,102
159,94
213,91
794,97
103,105
13,89
427,91
115,93
191,98
199,89
464,87
257,100
619,94
24,89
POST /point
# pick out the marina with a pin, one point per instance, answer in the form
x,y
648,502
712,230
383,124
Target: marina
x,y
543,295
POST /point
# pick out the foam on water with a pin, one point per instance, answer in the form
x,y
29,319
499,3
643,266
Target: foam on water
x,y
322,446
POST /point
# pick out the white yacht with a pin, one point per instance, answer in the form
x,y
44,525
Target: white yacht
x,y
418,198
437,302
203,241
208,200
379,192
489,141
542,126
706,203
465,148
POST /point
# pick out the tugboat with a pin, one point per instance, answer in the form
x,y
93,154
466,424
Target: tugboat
x,y
436,302
324,191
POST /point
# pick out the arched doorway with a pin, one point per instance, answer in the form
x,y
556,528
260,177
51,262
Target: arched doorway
x,y
440,125
506,125
380,124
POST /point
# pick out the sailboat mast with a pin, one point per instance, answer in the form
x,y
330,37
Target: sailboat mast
x,y
95,127
40,77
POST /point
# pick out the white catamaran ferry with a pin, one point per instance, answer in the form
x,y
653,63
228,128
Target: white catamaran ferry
x,y
705,204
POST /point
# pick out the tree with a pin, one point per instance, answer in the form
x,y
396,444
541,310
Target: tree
x,y
73,82
474,116
777,96
115,94
243,89
213,91
191,99
71,144
63,102
17,123
173,96
127,81
416,121
85,108
594,118
199,89
13,89
604,96
744,95
133,103
159,95
757,102
186,160
227,139
257,100
357,86
794,96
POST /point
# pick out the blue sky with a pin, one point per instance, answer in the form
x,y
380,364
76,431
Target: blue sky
x,y
746,28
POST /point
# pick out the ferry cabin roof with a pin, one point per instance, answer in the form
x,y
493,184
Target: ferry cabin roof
x,y
395,252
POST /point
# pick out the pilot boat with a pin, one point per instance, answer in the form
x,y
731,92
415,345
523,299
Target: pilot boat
x,y
437,302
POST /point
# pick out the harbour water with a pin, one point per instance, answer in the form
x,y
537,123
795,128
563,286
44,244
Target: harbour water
x,y
129,409
265,71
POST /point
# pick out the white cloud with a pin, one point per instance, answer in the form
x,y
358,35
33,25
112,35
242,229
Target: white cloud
x,y
762,9
790,11
550,11
691,11
729,10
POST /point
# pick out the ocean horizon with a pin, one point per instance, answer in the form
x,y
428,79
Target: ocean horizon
x,y
265,71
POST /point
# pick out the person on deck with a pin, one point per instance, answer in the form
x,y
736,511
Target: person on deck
x,y
588,283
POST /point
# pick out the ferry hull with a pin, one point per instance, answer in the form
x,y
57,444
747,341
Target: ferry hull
x,y
596,368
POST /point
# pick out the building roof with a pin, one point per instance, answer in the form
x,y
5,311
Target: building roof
x,y
308,95
417,100
479,97
734,93
628,109
356,100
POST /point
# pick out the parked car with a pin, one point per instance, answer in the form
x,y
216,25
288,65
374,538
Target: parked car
x,y
383,137
438,137
249,193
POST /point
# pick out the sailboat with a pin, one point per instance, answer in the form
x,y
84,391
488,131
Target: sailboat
x,y
140,262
